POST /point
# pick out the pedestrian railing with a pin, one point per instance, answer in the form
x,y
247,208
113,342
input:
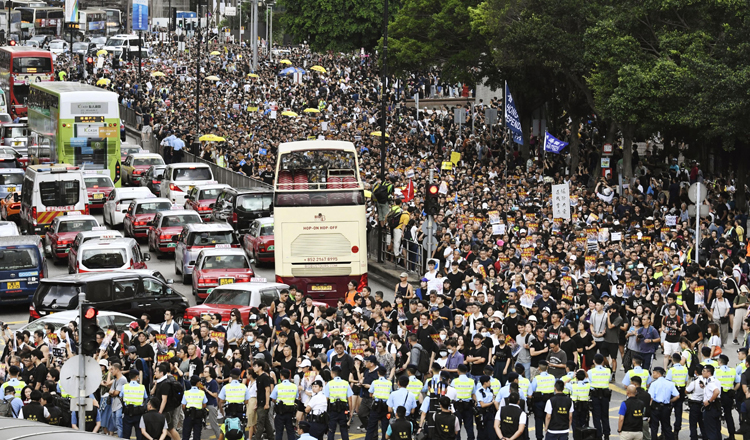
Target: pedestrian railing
x,y
412,258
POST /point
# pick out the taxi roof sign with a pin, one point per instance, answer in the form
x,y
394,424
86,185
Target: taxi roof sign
x,y
258,280
109,237
72,213
223,246
99,228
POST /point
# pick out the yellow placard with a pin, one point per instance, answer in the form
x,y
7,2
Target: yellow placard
x,y
108,132
447,166
252,109
368,194
455,157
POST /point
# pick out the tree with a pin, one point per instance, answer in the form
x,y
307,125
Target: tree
x,y
336,24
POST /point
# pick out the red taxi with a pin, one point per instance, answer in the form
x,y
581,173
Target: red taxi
x,y
168,224
136,165
98,187
258,242
140,213
201,198
219,266
128,149
63,230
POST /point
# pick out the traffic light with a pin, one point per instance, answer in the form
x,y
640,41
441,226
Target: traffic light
x,y
89,326
431,202
172,19
12,43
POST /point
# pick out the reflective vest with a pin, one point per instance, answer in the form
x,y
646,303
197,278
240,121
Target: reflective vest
x,y
568,377
495,386
235,393
337,389
381,389
63,393
20,386
726,376
194,398
464,387
742,366
643,374
523,385
415,387
711,362
132,394
679,375
600,377
580,391
545,383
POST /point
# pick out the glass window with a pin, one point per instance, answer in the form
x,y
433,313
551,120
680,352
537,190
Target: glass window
x,y
32,65
209,194
121,322
59,193
229,297
266,230
187,174
152,287
104,258
98,182
180,220
125,289
97,291
267,296
148,161
14,259
152,207
61,295
11,179
255,202
211,238
315,160
77,225
225,262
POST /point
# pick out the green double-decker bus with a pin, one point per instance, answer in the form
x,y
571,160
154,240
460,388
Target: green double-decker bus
x,y
79,123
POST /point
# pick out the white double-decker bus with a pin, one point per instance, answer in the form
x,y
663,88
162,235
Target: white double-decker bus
x,y
319,219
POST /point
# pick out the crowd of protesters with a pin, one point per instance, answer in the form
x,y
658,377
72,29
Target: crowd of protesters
x,y
512,299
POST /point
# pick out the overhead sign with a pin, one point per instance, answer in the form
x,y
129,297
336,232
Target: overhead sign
x,y
71,11
140,15
230,11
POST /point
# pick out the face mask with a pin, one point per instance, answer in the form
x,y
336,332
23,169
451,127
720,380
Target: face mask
x,y
443,337
443,353
249,339
511,311
486,334
257,345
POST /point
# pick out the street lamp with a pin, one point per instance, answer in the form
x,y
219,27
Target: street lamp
x,y
269,29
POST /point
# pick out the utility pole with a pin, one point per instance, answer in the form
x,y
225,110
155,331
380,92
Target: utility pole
x,y
270,36
198,76
82,361
255,35
383,108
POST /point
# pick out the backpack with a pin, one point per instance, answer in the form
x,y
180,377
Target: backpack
x,y
232,429
393,219
694,367
423,366
176,391
6,409
381,193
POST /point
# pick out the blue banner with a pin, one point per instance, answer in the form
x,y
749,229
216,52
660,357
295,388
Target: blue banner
x,y
553,144
140,15
511,117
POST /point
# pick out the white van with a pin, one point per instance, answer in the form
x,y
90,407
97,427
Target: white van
x,y
50,190
180,178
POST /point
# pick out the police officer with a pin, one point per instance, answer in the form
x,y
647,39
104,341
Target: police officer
x,y
235,395
694,392
194,404
507,390
523,382
726,376
92,421
55,413
711,404
541,389
431,405
559,410
637,370
663,393
579,390
495,384
570,374
133,399
379,391
600,395
678,374
316,410
463,405
285,395
415,385
402,397
632,411
303,430
14,381
400,429
642,395
447,425
153,424
485,416
706,352
339,395
510,421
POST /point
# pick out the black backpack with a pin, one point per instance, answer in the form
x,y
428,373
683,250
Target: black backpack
x,y
695,366
381,193
176,391
423,366
393,218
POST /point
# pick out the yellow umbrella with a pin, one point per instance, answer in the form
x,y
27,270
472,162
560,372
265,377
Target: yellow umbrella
x,y
212,78
312,110
285,62
157,74
101,52
320,69
103,82
291,114
252,75
216,52
378,134
211,138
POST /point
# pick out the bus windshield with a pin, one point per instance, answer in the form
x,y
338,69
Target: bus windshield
x,y
315,160
32,65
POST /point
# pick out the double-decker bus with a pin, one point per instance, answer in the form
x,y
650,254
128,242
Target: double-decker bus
x,y
114,21
19,68
319,219
46,21
92,22
80,123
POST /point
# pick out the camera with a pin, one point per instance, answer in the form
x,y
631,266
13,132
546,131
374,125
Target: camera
x,y
639,338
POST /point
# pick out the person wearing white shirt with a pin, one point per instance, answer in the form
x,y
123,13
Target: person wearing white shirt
x,y
315,408
694,391
711,404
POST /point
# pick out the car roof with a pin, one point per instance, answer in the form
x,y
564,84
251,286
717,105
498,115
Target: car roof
x,y
86,234
265,220
241,191
253,286
159,166
127,145
179,212
208,227
189,165
109,243
222,252
20,240
145,155
71,315
213,186
133,190
65,218
152,200
81,278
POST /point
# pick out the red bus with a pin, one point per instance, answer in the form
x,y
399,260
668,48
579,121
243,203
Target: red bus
x,y
19,67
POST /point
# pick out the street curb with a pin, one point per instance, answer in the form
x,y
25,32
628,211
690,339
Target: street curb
x,y
387,275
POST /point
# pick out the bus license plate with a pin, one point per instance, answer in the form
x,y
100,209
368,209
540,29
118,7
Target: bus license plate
x,y
223,281
14,285
321,287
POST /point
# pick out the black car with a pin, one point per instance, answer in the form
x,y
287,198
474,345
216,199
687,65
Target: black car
x,y
239,207
152,179
133,292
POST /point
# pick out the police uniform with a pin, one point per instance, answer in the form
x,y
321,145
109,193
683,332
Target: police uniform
x,y
694,392
317,416
662,391
712,412
235,395
726,376
463,405
485,416
579,391
541,389
17,385
338,392
402,397
599,377
381,390
34,411
678,374
284,394
415,387
502,396
640,372
711,362
510,418
133,407
559,407
193,399
495,386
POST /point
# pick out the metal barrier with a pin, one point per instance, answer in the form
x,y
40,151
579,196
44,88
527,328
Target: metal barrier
x,y
128,116
416,257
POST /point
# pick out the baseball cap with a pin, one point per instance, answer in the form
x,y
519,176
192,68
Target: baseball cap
x,y
305,363
133,325
425,280
532,318
404,275
132,349
372,359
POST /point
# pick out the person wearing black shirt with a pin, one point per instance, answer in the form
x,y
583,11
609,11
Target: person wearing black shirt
x,y
455,276
319,343
264,383
342,360
631,412
267,175
478,356
427,336
539,348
